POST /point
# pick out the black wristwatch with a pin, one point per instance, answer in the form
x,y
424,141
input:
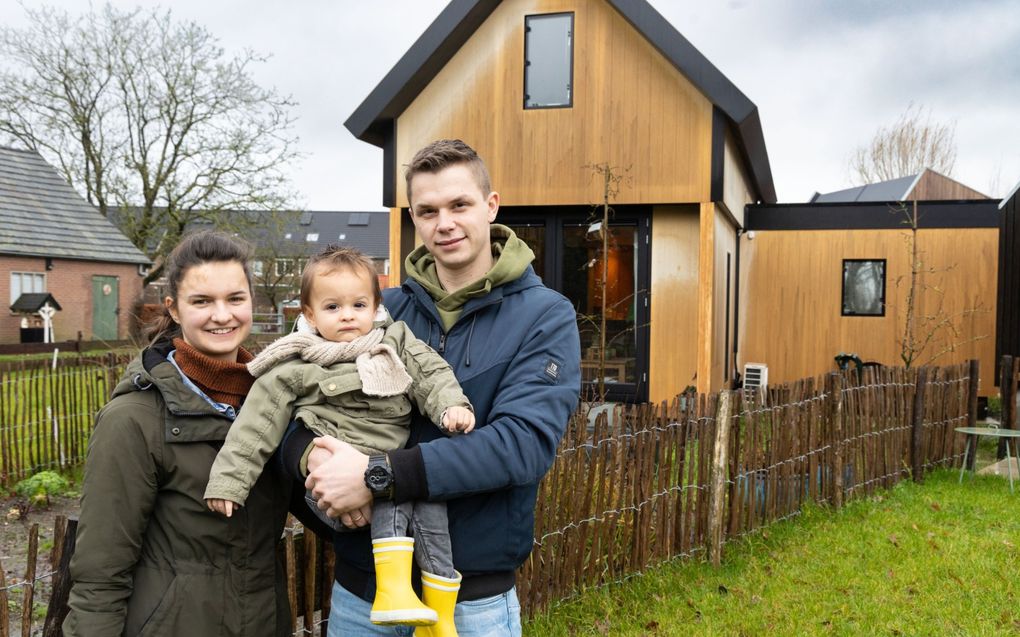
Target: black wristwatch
x,y
379,477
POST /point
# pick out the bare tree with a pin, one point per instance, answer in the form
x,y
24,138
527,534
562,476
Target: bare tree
x,y
930,334
278,257
907,147
144,113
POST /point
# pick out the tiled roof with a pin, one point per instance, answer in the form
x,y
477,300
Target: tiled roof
x,y
311,231
42,215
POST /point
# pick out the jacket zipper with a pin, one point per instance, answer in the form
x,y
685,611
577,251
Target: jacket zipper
x,y
442,342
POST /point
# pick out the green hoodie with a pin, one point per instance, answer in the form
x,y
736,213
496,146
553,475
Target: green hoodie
x,y
512,257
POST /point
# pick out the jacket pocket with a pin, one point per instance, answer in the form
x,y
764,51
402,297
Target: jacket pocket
x,y
156,594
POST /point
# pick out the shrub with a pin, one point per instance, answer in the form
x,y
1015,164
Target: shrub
x,y
39,487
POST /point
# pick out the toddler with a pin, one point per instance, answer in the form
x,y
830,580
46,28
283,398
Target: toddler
x,y
354,380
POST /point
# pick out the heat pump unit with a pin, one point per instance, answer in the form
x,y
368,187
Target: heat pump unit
x,y
756,379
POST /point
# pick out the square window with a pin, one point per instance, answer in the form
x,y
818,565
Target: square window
x,y
548,60
284,267
863,287
26,283
312,237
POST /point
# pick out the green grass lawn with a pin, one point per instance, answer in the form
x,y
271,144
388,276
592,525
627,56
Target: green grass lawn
x,y
932,559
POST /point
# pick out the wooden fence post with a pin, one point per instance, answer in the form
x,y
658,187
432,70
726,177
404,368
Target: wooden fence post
x,y
29,590
834,388
972,407
4,612
1007,390
717,488
63,547
916,428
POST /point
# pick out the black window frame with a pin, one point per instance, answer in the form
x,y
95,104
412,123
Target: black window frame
x,y
527,63
842,287
554,219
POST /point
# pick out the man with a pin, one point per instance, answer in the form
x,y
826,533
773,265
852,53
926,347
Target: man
x,y
472,294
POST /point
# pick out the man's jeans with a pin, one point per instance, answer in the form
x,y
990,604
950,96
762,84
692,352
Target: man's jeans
x,y
496,616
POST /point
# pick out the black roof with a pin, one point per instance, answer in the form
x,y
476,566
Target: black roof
x,y
42,215
33,301
373,121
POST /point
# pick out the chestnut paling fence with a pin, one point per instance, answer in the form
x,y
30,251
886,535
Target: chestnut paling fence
x,y
643,484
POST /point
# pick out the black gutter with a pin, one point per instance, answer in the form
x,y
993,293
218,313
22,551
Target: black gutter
x,y
979,213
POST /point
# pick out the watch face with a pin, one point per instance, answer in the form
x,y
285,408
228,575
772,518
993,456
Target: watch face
x,y
378,478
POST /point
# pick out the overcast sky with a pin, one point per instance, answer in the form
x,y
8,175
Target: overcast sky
x,y
824,75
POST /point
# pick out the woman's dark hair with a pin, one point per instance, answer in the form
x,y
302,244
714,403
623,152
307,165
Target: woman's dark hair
x,y
207,246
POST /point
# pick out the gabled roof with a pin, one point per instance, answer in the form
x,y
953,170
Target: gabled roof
x,y
1006,199
42,215
33,301
366,231
373,120
892,190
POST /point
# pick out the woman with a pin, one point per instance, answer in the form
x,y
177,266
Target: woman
x,y
151,559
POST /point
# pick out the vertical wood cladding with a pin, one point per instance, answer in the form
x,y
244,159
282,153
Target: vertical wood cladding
x,y
631,108
790,287
1008,318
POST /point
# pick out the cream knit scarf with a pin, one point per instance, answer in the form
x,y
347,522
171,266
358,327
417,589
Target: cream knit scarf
x,y
381,370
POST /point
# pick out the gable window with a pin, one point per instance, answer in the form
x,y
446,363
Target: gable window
x,y
26,283
863,287
548,60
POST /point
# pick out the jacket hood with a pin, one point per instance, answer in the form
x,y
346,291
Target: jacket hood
x,y
512,257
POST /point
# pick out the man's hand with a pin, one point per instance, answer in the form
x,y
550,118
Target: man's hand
x,y
316,457
339,483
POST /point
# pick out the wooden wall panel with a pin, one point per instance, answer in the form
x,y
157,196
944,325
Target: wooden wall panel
x,y
933,186
673,357
790,297
631,108
704,299
736,186
725,244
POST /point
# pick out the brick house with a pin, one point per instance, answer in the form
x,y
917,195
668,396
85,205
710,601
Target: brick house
x,y
52,240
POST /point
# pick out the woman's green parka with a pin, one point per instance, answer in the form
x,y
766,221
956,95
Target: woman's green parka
x,y
151,559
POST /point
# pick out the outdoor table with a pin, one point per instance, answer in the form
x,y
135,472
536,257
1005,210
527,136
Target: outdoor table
x,y
993,432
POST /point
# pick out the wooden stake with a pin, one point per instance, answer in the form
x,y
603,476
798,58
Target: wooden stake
x,y
916,427
718,488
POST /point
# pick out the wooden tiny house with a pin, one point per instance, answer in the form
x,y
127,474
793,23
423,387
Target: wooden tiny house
x,y
544,89
798,310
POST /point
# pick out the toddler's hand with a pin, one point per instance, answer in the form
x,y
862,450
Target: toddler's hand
x,y
223,507
458,419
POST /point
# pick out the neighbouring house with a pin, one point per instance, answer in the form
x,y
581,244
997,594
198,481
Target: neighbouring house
x,y
926,185
832,277
1008,319
283,241
53,241
544,90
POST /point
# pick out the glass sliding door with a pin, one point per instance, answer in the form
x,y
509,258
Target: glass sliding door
x,y
573,258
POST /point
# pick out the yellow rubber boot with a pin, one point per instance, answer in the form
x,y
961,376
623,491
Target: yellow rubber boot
x,y
395,601
440,594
